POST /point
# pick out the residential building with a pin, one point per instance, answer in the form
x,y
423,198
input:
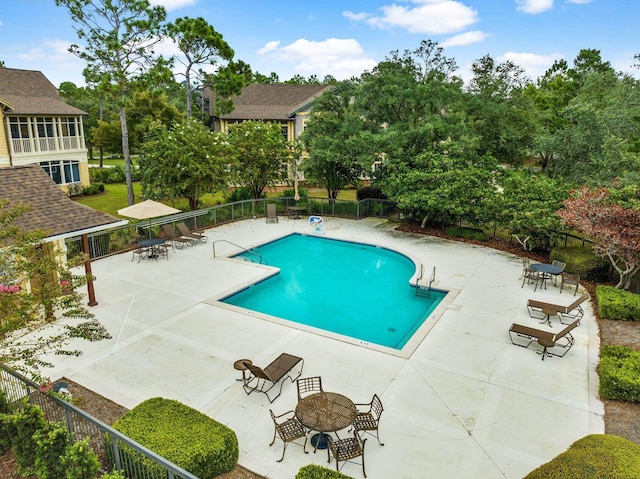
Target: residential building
x,y
39,127
287,104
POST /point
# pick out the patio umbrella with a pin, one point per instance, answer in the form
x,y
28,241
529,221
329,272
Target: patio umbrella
x,y
146,210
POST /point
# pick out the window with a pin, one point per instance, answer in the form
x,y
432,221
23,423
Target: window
x,y
62,172
45,127
19,127
68,126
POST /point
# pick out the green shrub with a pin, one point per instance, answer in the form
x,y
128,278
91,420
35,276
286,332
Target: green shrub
x,y
619,372
596,456
182,435
81,462
93,189
114,174
467,233
239,194
112,475
291,193
614,303
582,261
372,192
312,471
51,444
22,425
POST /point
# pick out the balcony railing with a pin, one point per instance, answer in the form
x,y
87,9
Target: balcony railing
x,y
26,145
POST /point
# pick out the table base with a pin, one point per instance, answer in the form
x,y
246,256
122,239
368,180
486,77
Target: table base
x,y
319,441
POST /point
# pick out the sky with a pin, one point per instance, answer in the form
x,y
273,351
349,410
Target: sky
x,y
347,37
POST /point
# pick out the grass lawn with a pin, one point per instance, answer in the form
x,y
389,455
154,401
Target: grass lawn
x,y
115,198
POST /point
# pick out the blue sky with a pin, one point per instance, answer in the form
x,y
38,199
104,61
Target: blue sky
x,y
344,38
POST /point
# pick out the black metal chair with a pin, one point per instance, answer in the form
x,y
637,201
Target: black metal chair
x,y
570,279
289,430
368,420
344,450
308,386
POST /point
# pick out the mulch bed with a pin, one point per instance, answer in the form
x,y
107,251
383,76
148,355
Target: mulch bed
x,y
621,419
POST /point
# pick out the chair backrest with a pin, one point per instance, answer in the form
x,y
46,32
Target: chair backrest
x,y
559,264
271,210
257,371
376,407
570,278
577,302
309,385
184,230
169,233
567,329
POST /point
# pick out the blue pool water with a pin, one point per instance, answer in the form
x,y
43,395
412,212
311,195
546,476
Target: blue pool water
x,y
353,289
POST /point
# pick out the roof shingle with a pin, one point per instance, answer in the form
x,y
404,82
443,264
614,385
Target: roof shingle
x,y
53,211
28,92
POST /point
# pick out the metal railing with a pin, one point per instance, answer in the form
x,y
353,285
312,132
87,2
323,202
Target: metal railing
x,y
123,238
237,246
114,450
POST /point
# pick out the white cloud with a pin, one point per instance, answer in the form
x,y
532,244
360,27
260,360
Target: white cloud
x,y
357,17
1,24
424,16
535,65
171,5
579,2
534,6
269,47
342,58
466,38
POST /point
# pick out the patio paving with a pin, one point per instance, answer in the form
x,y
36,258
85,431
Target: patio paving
x,y
465,404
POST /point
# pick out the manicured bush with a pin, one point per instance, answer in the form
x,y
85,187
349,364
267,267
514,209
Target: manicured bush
x,y
614,303
372,192
93,189
582,261
312,471
115,174
182,435
619,372
51,445
81,462
596,456
467,233
22,425
291,193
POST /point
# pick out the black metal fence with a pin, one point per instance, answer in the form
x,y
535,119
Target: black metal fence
x,y
113,448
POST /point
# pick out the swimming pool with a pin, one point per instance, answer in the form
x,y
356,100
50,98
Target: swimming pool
x,y
353,289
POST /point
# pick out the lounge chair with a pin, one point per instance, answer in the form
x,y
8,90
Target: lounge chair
x,y
174,240
277,372
547,339
187,233
271,213
571,312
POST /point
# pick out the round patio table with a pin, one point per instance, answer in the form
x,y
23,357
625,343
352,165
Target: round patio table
x,y
325,412
546,269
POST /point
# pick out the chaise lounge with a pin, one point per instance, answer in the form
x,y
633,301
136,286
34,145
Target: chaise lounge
x,y
572,312
277,372
546,339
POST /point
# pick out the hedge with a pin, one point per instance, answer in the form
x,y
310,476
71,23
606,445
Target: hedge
x,y
619,372
313,471
467,233
595,456
614,303
182,435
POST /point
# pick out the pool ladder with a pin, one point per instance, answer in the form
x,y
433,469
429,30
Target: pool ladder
x,y
258,255
422,289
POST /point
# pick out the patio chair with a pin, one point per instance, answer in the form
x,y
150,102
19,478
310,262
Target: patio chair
x,y
187,233
547,339
572,312
525,267
288,430
141,251
560,265
570,279
271,213
308,386
172,239
344,450
368,419
276,373
530,276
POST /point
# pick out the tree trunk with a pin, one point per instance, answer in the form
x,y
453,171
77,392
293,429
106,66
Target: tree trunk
x,y
189,92
101,158
127,155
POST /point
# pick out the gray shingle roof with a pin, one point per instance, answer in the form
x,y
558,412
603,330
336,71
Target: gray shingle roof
x,y
53,211
273,101
28,92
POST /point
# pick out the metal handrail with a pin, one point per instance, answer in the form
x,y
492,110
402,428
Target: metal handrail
x,y
237,246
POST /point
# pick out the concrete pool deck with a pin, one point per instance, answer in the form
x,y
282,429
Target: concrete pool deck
x,y
465,404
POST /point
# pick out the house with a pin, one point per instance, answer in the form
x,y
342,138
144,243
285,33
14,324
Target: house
x,y
287,104
53,212
39,127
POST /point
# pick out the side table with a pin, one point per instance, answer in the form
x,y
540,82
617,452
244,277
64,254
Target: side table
x,y
241,365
